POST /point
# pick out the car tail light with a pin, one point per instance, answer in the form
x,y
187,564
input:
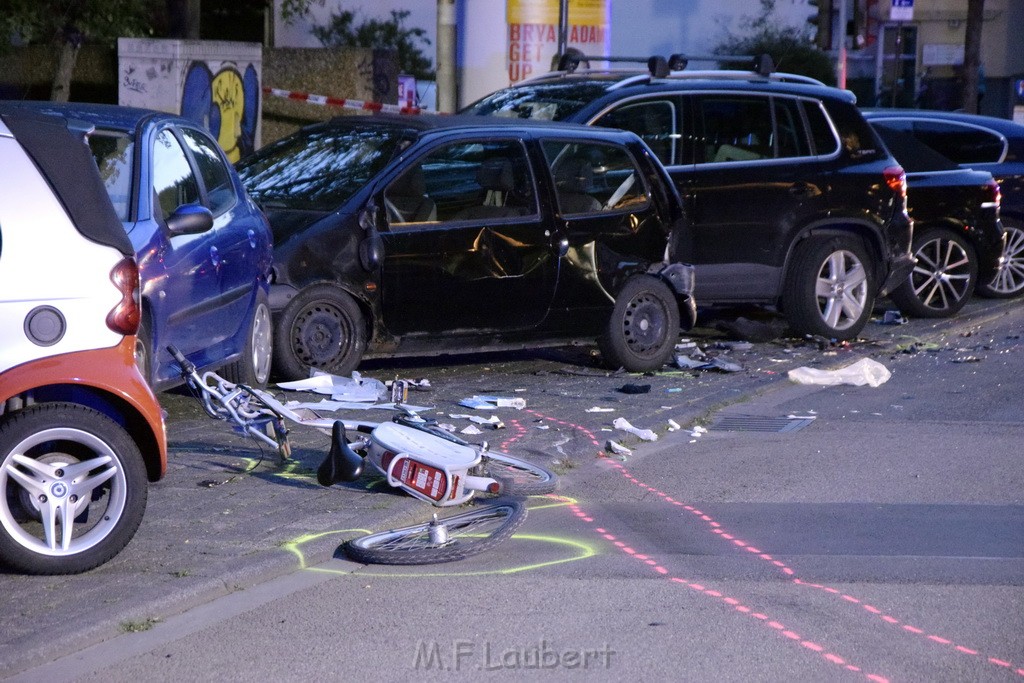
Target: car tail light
x,y
896,179
997,195
124,318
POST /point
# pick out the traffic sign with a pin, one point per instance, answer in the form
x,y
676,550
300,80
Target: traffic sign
x,y
902,10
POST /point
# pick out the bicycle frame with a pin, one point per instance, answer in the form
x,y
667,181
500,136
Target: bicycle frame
x,y
412,454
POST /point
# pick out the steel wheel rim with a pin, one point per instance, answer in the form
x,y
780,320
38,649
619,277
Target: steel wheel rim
x,y
262,344
472,527
59,533
942,277
643,324
1009,277
841,289
321,333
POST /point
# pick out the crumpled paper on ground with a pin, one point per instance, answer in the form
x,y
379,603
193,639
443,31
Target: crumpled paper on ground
x,y
865,371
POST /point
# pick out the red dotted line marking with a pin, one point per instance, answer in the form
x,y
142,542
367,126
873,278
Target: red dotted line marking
x,y
717,529
734,603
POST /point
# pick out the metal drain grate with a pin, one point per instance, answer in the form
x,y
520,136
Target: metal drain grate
x,y
758,423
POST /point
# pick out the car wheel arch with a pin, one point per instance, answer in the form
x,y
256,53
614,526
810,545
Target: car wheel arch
x,y
869,237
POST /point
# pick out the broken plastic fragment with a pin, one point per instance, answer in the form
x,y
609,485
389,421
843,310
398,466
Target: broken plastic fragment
x,y
618,448
492,402
645,434
673,426
599,409
864,371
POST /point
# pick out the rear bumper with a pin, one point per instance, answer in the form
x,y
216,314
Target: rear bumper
x,y
898,273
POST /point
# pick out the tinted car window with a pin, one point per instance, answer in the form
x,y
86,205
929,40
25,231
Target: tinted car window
x,y
173,181
653,120
825,142
553,102
593,177
319,169
477,180
914,156
791,141
735,128
962,144
114,153
219,192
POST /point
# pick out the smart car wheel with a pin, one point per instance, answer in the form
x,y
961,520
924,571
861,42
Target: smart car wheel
x,y
643,326
1008,281
829,290
321,328
72,489
253,368
943,279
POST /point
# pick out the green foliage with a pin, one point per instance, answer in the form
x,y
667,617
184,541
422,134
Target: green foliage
x,y
73,21
388,34
791,47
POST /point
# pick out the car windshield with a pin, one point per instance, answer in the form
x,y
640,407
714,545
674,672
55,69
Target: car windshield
x,y
113,152
549,101
318,169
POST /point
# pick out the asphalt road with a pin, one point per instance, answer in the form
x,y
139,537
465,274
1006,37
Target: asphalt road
x,y
881,536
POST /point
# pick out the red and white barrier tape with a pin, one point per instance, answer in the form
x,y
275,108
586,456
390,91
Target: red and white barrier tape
x,y
324,100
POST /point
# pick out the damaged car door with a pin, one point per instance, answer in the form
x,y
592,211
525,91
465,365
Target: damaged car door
x,y
465,247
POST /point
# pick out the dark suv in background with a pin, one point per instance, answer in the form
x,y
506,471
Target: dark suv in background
x,y
791,198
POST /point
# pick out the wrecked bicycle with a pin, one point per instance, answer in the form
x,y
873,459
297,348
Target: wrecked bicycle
x,y
413,454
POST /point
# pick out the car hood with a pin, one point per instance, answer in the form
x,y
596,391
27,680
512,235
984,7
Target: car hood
x,y
286,223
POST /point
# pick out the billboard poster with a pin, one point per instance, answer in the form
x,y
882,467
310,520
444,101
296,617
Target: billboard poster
x,y
533,33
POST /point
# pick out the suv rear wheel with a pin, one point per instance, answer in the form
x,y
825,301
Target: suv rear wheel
x,y
943,279
1008,282
829,290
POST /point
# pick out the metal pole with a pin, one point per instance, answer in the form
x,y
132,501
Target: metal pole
x,y
446,35
841,54
563,26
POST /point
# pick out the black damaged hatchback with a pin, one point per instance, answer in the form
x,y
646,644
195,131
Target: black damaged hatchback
x,y
409,236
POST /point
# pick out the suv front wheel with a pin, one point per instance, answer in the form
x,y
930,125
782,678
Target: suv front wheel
x,y
829,290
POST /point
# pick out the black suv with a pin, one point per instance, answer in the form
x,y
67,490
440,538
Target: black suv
x,y
398,236
791,197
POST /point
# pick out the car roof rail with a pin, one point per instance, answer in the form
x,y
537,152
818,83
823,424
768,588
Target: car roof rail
x,y
658,66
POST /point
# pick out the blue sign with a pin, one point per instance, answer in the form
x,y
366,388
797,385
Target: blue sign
x,y
902,10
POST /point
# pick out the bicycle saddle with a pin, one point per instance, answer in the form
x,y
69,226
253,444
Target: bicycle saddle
x,y
341,463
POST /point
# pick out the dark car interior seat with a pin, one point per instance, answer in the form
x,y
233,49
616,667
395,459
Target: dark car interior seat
x,y
496,177
407,200
574,180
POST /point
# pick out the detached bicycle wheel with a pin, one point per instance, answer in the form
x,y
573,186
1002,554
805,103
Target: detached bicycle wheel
x,y
441,540
518,477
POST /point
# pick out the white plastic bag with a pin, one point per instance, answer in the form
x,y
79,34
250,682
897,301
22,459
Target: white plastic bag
x,y
864,371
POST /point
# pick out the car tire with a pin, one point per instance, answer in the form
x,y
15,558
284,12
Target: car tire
x,y
64,461
323,328
144,350
1008,282
829,288
943,278
253,368
643,327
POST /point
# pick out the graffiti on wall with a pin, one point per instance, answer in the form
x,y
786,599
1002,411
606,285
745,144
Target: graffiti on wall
x,y
226,103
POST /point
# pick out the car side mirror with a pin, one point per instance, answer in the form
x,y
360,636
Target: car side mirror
x,y
371,252
190,219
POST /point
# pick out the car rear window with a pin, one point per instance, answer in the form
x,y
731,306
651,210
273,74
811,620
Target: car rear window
x,y
962,144
115,153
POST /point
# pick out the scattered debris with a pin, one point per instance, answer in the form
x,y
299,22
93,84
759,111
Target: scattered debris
x,y
599,409
635,388
733,345
864,371
893,317
716,363
471,430
354,388
492,402
617,448
966,359
673,426
645,434
752,330
493,421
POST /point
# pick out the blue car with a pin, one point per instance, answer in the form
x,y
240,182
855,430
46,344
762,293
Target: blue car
x,y
203,247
